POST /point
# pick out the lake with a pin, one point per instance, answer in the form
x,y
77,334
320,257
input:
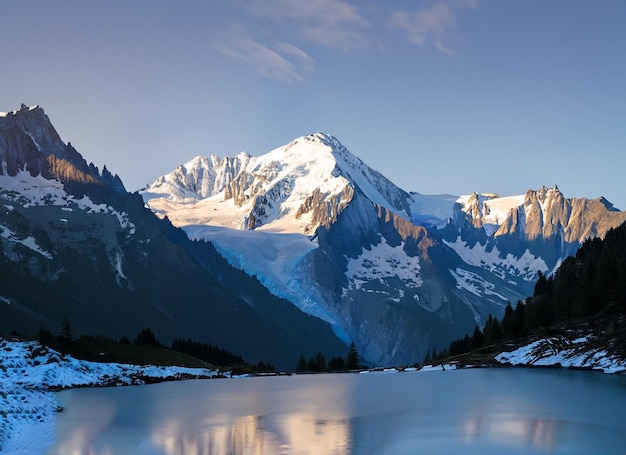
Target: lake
x,y
472,411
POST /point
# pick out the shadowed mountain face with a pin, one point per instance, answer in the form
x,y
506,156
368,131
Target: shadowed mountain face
x,y
396,272
308,248
75,244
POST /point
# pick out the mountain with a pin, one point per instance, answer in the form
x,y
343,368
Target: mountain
x,y
574,319
302,249
541,224
296,188
74,244
396,272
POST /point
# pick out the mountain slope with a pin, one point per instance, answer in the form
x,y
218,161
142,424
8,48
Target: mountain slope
x,y
75,245
395,272
295,188
541,227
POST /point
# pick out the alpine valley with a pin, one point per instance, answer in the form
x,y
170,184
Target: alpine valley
x,y
300,250
75,244
393,271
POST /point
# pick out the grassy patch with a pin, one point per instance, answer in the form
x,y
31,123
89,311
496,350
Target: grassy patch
x,y
141,355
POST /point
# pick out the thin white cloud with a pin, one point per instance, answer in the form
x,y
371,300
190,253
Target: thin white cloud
x,y
332,23
266,41
304,61
430,25
330,11
283,62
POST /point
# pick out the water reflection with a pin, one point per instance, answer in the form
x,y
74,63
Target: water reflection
x,y
255,435
267,416
510,429
96,415
466,412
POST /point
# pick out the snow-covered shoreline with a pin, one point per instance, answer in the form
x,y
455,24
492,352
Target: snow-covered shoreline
x,y
560,351
29,375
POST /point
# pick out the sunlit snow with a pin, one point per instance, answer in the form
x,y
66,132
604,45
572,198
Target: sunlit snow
x,y
31,108
494,209
286,177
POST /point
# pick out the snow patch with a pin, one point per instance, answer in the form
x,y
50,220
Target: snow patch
x,y
120,277
525,267
441,367
39,148
383,261
37,191
28,374
474,283
29,242
560,351
493,209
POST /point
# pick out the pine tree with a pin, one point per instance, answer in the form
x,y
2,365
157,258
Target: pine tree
x,y
353,362
337,364
146,338
477,338
541,286
320,362
45,337
66,336
508,322
492,332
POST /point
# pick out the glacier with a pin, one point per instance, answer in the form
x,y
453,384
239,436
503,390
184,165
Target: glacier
x,y
321,229
272,258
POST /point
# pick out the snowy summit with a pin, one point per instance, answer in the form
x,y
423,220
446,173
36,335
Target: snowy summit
x,y
292,189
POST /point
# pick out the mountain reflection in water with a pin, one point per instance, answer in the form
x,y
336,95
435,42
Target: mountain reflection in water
x,y
472,411
302,434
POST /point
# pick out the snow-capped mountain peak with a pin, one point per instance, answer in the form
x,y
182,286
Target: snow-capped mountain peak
x,y
293,188
201,177
545,212
365,256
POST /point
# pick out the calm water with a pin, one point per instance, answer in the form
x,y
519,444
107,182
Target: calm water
x,y
498,411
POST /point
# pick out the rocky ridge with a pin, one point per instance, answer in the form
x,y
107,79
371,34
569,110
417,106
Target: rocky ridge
x,y
428,266
73,245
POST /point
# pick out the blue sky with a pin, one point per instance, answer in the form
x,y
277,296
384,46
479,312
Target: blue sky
x,y
440,96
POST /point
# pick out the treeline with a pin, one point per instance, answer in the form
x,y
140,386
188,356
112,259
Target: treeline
x,y
589,285
513,325
218,356
146,348
207,352
318,363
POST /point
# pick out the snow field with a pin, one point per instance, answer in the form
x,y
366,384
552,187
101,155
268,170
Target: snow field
x,y
561,351
29,372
